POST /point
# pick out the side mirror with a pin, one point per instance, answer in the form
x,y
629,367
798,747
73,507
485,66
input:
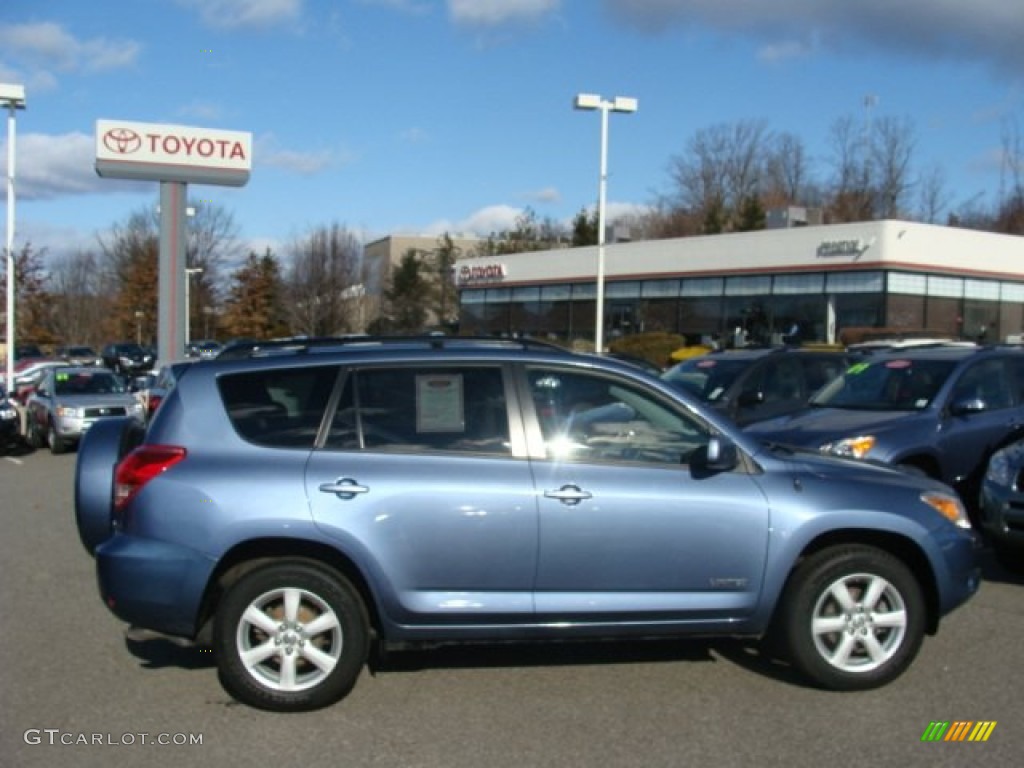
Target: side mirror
x,y
967,405
719,455
750,397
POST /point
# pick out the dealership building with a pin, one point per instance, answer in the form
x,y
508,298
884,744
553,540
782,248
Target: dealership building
x,y
918,278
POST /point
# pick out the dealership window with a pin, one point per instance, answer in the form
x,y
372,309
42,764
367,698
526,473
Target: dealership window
x,y
948,287
905,311
855,282
472,297
584,292
629,289
910,284
751,285
555,292
792,284
987,290
651,289
702,286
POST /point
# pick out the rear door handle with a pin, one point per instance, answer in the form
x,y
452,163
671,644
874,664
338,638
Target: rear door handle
x,y
569,494
345,487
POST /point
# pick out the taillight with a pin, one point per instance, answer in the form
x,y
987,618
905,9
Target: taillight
x,y
154,403
140,466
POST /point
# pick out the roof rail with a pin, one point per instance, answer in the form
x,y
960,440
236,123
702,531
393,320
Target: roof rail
x,y
299,345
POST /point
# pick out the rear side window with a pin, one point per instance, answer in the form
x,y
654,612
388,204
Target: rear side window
x,y
461,409
278,408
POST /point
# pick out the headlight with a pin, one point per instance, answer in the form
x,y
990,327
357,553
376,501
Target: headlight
x,y
67,412
1000,470
850,447
136,409
949,506
7,413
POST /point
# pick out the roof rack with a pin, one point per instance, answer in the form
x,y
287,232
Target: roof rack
x,y
300,345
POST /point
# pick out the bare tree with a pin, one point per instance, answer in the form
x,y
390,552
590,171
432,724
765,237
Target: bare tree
x,y
722,169
892,147
78,296
787,173
933,195
323,282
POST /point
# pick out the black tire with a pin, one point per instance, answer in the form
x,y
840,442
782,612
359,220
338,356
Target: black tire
x,y
325,598
57,445
858,645
32,435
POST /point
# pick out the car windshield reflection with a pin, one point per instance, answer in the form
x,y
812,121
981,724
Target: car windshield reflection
x,y
896,384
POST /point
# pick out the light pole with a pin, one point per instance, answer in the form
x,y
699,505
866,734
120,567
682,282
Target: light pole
x,y
12,97
591,101
189,271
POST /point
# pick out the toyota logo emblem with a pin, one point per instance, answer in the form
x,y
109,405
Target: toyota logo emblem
x,y
123,141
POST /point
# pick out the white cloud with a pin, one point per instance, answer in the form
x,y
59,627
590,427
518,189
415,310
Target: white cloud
x,y
413,135
53,166
490,13
42,47
246,13
406,6
546,195
268,152
983,30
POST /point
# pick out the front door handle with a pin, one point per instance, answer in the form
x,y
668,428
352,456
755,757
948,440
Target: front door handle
x,y
569,494
345,487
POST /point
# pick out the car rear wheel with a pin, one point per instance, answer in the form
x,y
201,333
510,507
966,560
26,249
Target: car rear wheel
x,y
852,618
290,637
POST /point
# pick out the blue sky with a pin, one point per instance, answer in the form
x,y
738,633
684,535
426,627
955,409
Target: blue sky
x,y
425,116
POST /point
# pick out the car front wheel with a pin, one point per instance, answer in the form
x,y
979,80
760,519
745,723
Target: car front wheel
x,y
54,440
852,618
290,637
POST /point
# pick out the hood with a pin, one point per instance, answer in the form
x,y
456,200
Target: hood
x,y
810,428
98,401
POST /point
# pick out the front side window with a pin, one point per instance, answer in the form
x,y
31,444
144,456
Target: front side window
x,y
587,417
413,409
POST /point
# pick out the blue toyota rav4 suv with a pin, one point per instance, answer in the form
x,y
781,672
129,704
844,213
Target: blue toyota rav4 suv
x,y
297,508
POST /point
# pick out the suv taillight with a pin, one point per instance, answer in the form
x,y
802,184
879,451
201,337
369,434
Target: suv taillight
x,y
140,466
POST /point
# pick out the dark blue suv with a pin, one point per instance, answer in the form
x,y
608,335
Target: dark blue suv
x,y
941,411
294,508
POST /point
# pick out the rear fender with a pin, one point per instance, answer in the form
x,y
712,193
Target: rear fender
x,y
102,447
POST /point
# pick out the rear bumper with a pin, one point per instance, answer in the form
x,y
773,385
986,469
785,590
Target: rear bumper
x,y
153,584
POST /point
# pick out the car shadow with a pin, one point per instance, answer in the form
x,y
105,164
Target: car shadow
x,y
159,653
746,654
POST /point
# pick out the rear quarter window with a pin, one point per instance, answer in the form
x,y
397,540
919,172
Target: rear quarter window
x,y
280,408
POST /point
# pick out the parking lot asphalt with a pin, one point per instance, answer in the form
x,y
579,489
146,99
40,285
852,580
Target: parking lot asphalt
x,y
76,692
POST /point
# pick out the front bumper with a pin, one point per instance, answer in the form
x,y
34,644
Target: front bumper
x,y
1001,517
153,584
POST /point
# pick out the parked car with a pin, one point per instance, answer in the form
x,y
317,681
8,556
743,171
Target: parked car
x,y
71,399
204,349
27,351
28,373
1002,505
755,384
290,510
164,379
942,411
128,358
10,423
78,354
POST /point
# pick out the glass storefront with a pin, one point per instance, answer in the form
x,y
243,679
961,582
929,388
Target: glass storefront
x,y
817,306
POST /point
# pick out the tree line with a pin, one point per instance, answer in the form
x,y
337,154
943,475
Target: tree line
x,y
726,179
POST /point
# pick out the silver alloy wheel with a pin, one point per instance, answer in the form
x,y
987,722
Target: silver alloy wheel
x,y
859,622
289,639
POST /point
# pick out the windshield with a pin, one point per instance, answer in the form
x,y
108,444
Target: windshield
x,y
98,383
896,384
706,377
